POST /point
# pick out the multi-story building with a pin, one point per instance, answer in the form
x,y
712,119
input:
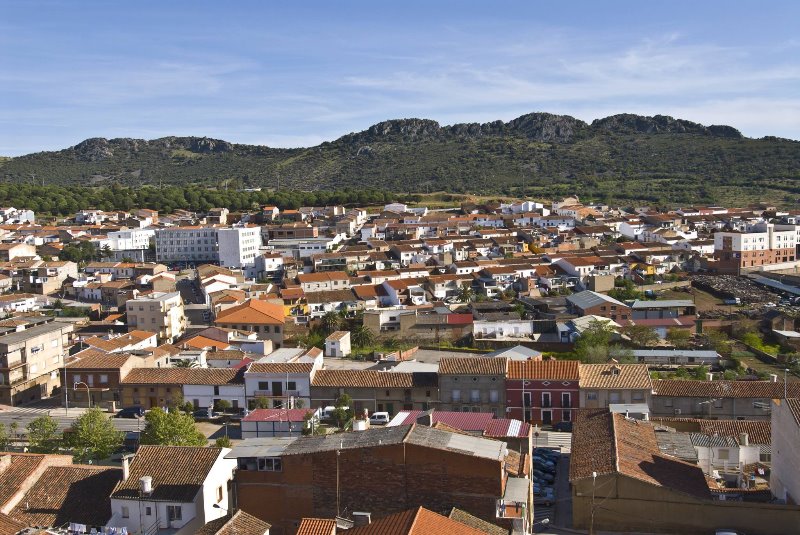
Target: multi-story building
x,y
784,478
473,384
161,313
762,245
133,243
612,383
238,248
375,391
30,357
48,277
542,391
283,378
255,315
203,387
94,377
187,244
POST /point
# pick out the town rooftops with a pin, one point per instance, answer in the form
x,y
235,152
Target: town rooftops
x,y
64,494
554,370
588,299
184,376
606,444
724,389
178,472
473,366
615,376
371,379
419,435
418,521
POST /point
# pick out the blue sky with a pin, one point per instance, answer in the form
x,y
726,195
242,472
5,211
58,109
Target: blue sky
x,y
290,74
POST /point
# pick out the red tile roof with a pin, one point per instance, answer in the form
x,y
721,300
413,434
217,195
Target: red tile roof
x,y
281,367
555,370
252,312
184,376
240,523
316,526
473,366
724,389
415,522
277,415
362,379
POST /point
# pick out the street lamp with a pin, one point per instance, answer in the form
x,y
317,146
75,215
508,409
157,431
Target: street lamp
x,y
88,392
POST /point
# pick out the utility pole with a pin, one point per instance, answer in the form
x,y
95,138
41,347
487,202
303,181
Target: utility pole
x,y
591,520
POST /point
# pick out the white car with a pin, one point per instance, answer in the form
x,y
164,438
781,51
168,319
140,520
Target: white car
x,y
379,418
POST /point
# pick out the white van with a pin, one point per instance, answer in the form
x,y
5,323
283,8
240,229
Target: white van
x,y
379,418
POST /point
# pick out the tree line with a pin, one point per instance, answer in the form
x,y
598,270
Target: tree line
x,y
64,201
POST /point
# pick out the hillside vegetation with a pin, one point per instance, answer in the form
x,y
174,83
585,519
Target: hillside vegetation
x,y
620,158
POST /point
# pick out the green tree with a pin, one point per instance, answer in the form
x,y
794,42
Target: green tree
x,y
344,409
43,436
5,438
172,428
641,335
362,336
593,344
625,290
466,294
259,403
94,436
331,321
700,373
222,405
680,338
223,442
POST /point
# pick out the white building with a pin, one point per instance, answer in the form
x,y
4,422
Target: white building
x,y
175,490
283,376
187,244
337,344
238,248
785,478
131,242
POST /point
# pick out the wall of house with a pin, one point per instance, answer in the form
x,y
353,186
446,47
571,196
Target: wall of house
x,y
203,395
785,479
636,506
515,400
606,396
466,384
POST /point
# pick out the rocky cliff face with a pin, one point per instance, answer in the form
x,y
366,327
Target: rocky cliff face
x,y
627,123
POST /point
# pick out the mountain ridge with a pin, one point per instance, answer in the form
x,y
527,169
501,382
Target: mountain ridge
x,y
548,151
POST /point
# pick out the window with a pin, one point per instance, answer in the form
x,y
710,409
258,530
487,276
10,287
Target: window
x,y
456,395
126,513
263,385
475,396
103,379
216,390
219,494
494,396
566,416
148,511
269,464
291,385
566,400
546,402
174,513
591,396
637,396
76,378
723,454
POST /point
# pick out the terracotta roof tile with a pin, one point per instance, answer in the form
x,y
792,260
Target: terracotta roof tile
x,y
178,472
609,443
557,370
281,367
89,359
362,379
184,376
473,366
418,521
615,376
9,526
758,431
240,523
724,389
794,407
252,311
66,494
474,522
317,526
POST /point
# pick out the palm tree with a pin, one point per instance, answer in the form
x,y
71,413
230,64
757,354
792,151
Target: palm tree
x,y
331,321
185,363
362,336
466,294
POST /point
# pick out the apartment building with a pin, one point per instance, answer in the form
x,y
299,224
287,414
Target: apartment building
x,y
187,244
761,245
133,243
238,248
30,357
48,277
473,384
161,313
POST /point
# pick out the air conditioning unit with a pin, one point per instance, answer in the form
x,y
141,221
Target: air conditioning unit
x,y
677,411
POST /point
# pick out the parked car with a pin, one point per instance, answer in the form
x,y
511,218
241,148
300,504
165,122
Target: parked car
x,y
379,418
130,412
563,427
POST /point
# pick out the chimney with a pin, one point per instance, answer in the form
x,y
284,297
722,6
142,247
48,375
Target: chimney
x,y
744,439
146,485
773,377
126,467
361,518
710,376
426,418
